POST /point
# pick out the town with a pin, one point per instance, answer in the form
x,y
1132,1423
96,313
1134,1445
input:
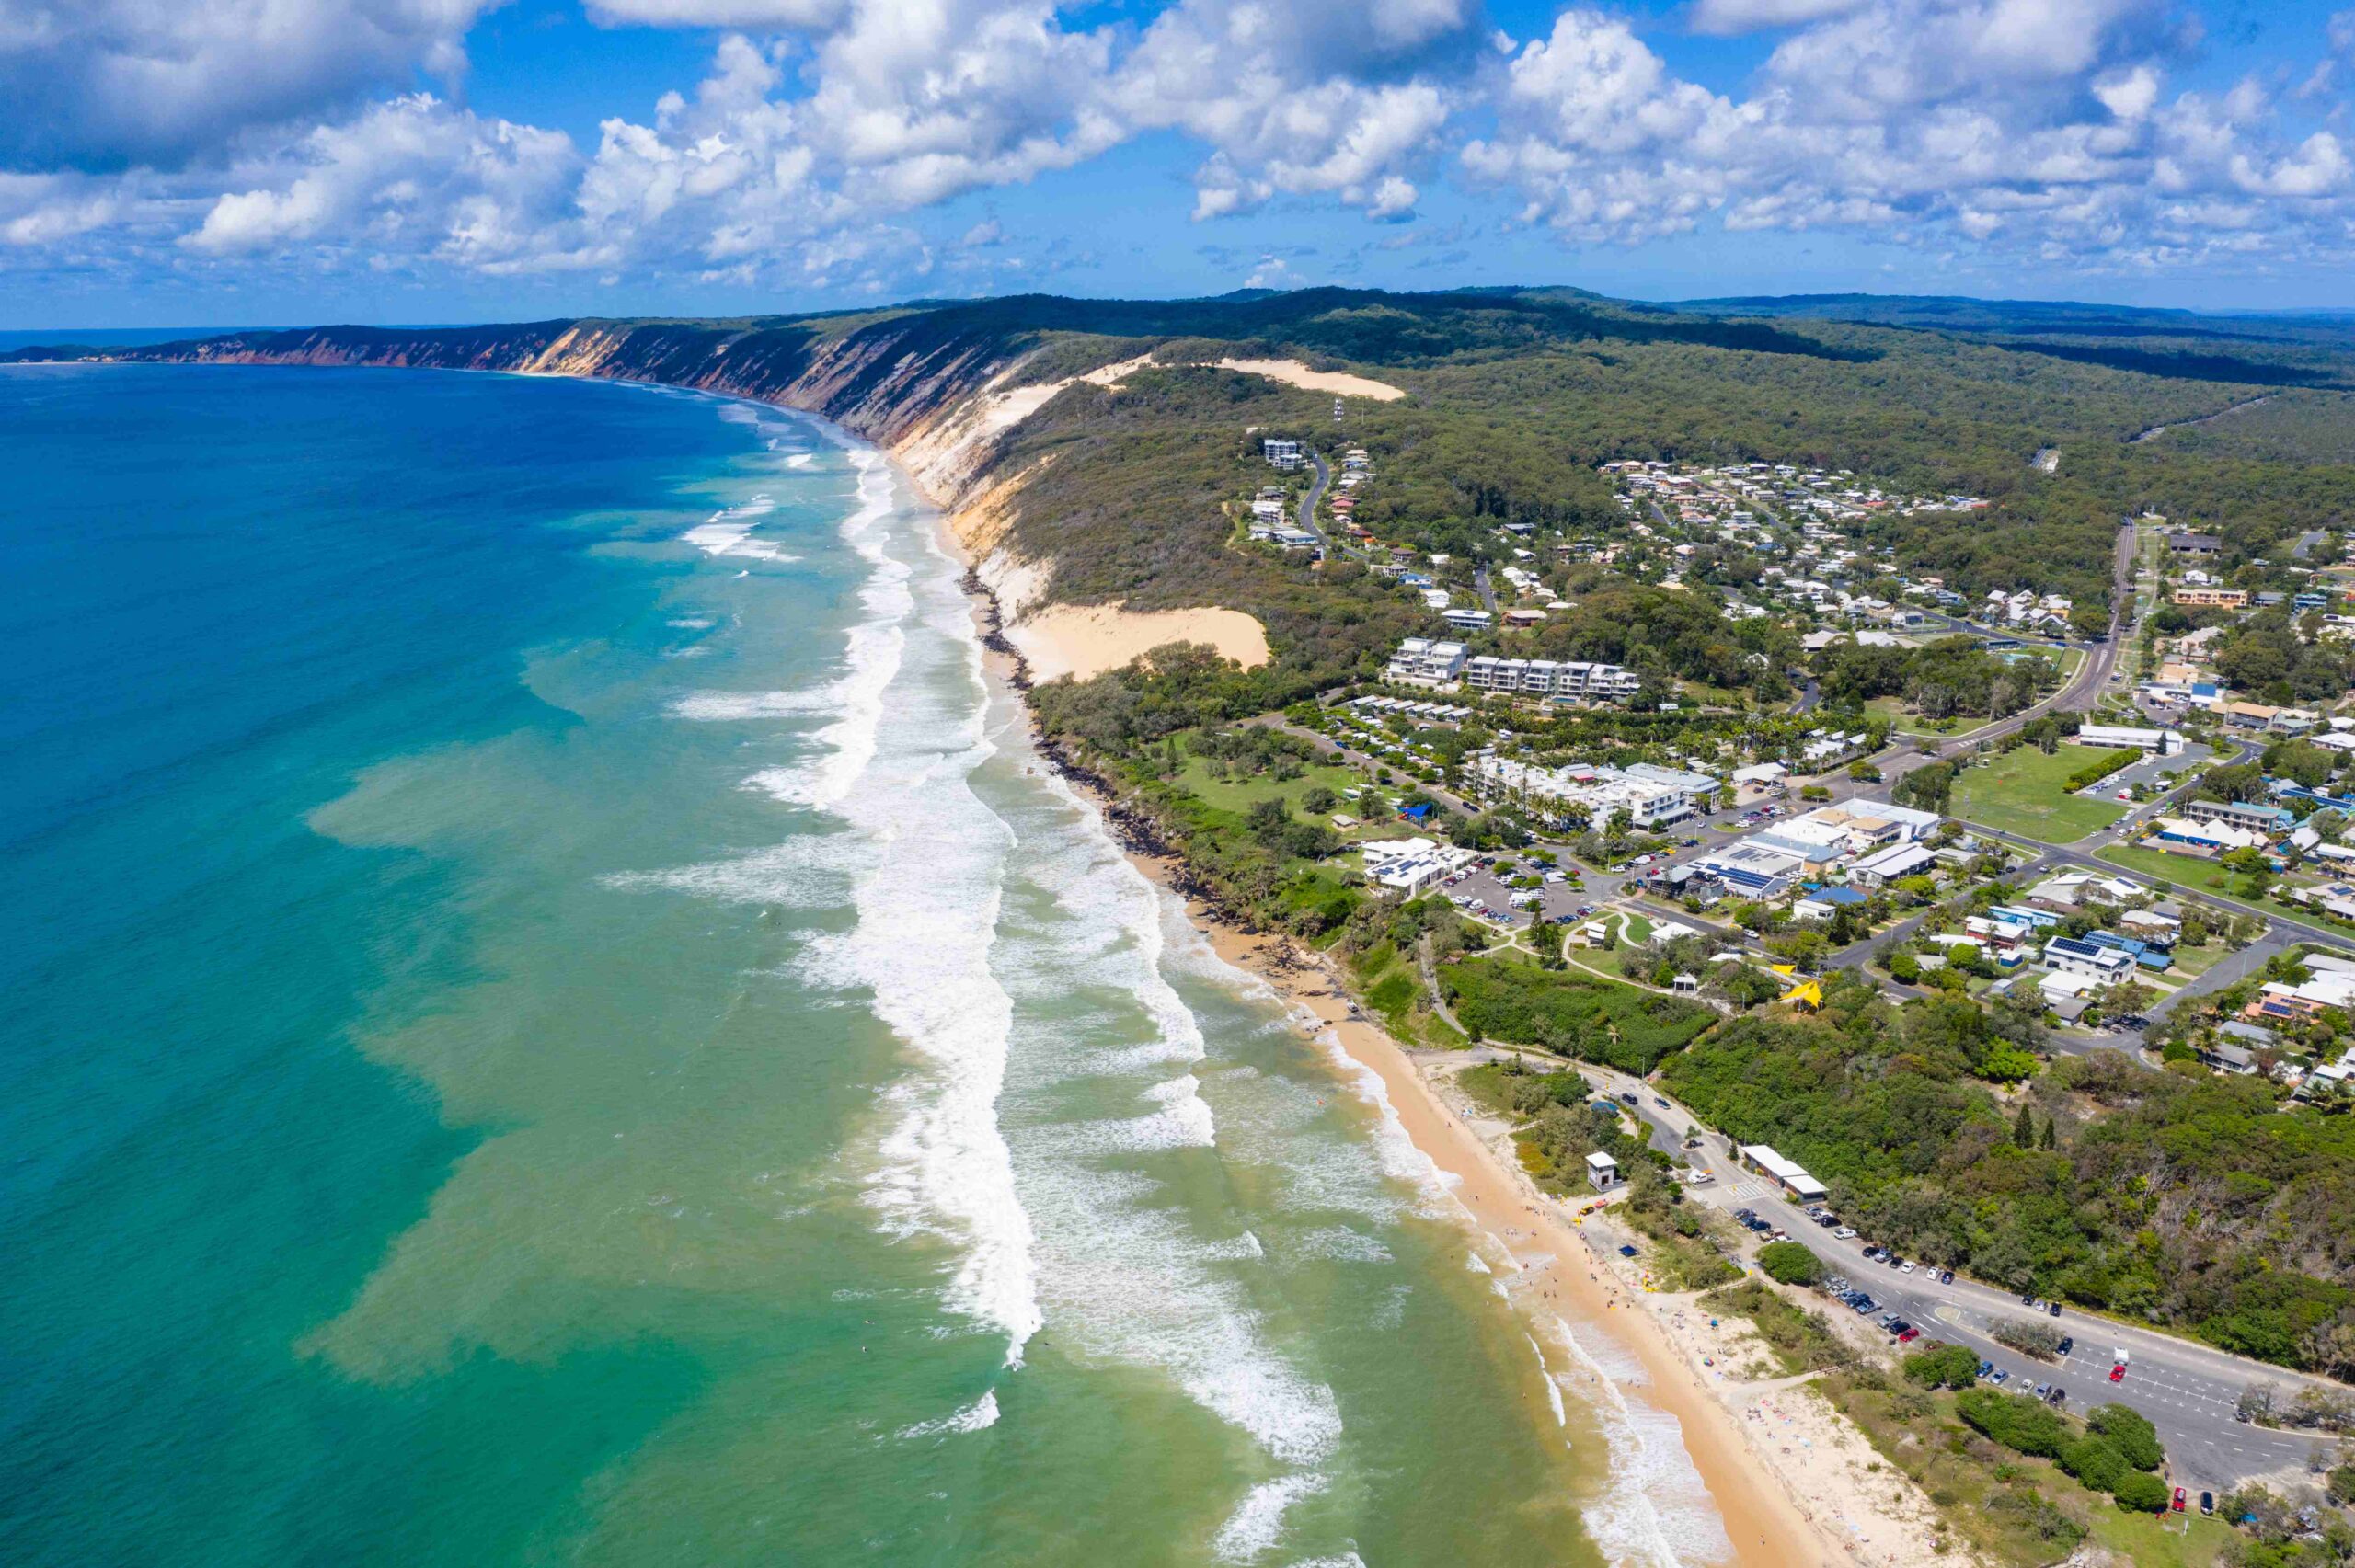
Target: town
x,y
2084,840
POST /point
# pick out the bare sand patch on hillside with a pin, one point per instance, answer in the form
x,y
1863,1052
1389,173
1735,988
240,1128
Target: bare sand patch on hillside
x,y
1085,640
1293,373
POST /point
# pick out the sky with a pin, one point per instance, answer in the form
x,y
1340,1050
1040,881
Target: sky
x,y
221,162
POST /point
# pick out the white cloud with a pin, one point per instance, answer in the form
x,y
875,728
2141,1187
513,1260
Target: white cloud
x,y
2041,126
794,14
1733,17
106,84
2040,123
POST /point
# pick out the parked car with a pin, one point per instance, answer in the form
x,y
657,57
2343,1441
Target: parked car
x,y
1909,1335
2067,1345
2000,1376
2118,1374
2179,1499
1904,1268
1845,1232
2058,1396
2053,1308
1945,1276
2207,1502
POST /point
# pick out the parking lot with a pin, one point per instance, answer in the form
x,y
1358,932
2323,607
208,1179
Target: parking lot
x,y
1483,895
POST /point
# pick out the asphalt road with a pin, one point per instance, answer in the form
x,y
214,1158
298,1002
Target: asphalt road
x,y
1308,505
2188,1391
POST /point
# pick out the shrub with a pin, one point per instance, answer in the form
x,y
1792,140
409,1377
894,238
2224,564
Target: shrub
x,y
1790,1263
1943,1367
2023,1425
2100,768
2141,1493
2094,1461
2038,1339
2136,1440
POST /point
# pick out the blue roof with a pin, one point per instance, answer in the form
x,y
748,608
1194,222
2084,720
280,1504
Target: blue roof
x,y
2203,688
1841,896
1416,813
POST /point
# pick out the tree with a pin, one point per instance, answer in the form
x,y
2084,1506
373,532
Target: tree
x,y
2130,1432
2024,1126
1943,1367
2141,1493
1790,1263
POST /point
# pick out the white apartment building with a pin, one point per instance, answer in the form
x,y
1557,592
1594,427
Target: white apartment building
x,y
1650,802
1572,679
1281,455
1412,867
1425,661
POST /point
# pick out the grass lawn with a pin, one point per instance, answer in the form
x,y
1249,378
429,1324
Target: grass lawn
x,y
2198,961
1239,795
2181,870
2207,877
1904,721
2021,792
2185,1541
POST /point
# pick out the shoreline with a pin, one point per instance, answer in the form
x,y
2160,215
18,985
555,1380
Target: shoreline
x,y
1764,1523
1762,1504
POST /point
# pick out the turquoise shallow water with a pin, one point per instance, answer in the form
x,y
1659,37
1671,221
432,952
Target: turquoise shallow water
x,y
553,1018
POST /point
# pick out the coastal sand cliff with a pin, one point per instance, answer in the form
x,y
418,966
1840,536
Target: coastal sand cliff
x,y
943,411
943,418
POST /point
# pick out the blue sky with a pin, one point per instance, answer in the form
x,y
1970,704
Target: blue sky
x,y
245,161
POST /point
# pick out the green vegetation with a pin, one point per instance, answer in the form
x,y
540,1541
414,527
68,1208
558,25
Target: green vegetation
x,y
2098,1189
1799,1338
1790,1263
1949,677
1943,1367
2025,790
1572,1015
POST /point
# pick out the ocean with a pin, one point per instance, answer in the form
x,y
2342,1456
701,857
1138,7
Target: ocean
x,y
554,1017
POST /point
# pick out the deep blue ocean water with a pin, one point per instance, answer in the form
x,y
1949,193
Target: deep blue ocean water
x,y
553,1017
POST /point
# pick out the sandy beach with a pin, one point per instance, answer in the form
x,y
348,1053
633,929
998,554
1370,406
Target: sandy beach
x,y
1793,1480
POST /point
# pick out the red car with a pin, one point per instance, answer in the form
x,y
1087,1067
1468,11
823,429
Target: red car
x,y
2179,1499
1909,1335
2118,1374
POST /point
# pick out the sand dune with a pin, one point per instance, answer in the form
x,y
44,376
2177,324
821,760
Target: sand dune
x,y
1292,372
1085,640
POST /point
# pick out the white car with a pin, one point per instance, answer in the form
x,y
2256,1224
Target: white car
x,y
1846,1232
1905,1267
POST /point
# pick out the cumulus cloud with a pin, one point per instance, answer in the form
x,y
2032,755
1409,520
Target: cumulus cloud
x,y
2045,126
109,84
1733,17
823,128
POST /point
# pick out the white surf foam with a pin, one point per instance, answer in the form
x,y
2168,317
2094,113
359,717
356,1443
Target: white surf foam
x,y
730,532
1654,1511
919,864
1258,1523
898,774
978,1416
1123,1270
